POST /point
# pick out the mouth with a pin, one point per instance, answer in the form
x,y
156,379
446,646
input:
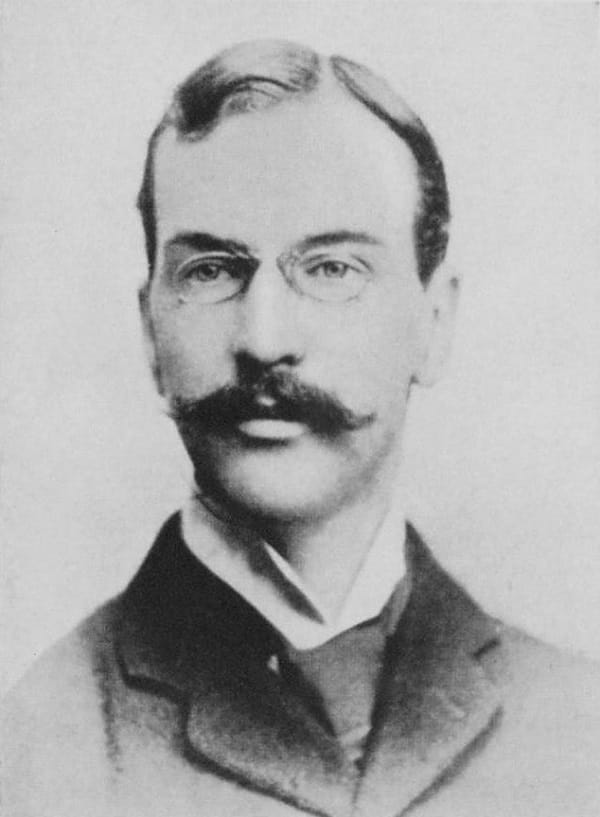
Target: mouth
x,y
273,430
262,416
268,421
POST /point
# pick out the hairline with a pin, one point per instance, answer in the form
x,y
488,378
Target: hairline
x,y
350,89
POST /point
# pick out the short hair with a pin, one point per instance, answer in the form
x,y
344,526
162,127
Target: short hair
x,y
255,75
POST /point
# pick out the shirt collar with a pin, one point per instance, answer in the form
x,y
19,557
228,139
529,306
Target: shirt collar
x,y
257,572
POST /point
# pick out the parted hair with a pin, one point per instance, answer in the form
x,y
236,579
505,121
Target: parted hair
x,y
255,75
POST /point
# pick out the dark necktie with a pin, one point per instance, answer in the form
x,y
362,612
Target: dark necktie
x,y
339,679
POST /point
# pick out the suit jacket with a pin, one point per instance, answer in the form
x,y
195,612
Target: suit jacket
x,y
162,703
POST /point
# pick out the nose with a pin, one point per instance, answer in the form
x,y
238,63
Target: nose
x,y
268,330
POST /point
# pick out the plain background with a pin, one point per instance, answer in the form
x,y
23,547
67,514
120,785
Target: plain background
x,y
502,459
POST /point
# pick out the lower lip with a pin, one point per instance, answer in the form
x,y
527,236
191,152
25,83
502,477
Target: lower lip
x,y
271,429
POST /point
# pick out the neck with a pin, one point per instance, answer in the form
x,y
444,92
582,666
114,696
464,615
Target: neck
x,y
326,551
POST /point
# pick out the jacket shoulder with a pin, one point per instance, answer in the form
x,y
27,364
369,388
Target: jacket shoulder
x,y
551,697
67,669
52,724
527,661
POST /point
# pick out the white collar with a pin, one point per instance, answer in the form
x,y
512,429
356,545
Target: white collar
x,y
256,571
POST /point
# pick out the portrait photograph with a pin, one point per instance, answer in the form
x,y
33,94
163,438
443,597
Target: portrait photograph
x,y
300,409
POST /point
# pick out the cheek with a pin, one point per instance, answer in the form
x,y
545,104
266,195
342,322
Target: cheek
x,y
191,352
372,353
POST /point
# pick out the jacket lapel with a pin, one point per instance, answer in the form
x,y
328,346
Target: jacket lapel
x,y
436,699
183,632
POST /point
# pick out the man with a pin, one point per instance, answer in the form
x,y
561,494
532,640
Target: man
x,y
290,645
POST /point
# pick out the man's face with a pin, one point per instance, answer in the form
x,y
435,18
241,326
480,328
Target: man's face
x,y
286,266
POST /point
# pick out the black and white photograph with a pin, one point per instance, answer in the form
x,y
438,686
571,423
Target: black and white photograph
x,y
300,409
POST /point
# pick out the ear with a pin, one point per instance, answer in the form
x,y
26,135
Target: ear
x,y
439,318
148,333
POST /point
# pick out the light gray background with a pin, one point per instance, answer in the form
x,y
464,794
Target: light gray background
x,y
502,459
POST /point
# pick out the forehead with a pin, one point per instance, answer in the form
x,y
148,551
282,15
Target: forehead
x,y
300,167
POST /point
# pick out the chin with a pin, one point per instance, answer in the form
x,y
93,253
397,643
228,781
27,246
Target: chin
x,y
280,484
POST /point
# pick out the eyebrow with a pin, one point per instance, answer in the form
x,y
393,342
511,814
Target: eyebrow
x,y
337,237
205,242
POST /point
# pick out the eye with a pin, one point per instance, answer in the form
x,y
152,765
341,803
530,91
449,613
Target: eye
x,y
331,279
205,271
212,278
330,269
208,270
